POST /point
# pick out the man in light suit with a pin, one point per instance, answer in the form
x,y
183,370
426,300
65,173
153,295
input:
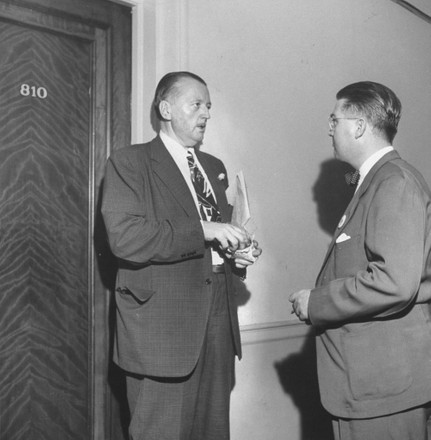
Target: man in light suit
x,y
177,328
373,328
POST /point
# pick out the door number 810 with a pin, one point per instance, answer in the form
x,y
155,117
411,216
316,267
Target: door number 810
x,y
33,91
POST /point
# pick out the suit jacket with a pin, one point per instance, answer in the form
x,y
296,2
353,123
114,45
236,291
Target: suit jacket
x,y
163,289
373,339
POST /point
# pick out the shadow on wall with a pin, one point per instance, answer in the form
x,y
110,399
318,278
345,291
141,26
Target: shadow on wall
x,y
298,373
331,193
298,377
242,294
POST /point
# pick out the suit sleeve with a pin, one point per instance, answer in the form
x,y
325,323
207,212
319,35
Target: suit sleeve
x,y
135,232
394,248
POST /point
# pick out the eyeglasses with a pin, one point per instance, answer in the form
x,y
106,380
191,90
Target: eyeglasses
x,y
332,121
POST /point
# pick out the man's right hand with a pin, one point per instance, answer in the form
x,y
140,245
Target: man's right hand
x,y
229,237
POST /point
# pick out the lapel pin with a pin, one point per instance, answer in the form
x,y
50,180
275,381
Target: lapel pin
x,y
341,223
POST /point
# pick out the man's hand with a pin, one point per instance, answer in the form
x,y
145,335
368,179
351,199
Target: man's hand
x,y
243,259
230,238
299,302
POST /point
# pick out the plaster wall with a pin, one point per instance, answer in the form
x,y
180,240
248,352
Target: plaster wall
x,y
273,68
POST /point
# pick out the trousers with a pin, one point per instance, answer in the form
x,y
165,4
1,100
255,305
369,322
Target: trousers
x,y
406,425
195,407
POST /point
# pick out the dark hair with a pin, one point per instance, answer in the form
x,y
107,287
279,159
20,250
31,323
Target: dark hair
x,y
376,102
167,85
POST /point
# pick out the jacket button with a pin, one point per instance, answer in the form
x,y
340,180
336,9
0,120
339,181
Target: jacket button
x,y
208,281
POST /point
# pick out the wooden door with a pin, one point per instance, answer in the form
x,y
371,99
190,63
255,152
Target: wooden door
x,y
62,69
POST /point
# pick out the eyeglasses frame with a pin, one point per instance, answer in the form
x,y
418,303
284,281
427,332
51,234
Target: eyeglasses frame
x,y
332,121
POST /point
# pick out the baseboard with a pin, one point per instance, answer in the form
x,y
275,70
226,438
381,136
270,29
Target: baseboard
x,y
274,331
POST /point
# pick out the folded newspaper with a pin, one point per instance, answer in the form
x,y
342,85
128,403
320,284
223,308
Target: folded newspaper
x,y
241,215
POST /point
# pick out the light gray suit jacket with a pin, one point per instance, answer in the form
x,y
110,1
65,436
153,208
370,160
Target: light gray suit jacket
x,y
373,339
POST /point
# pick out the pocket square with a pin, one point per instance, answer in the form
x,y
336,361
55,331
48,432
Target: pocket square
x,y
342,237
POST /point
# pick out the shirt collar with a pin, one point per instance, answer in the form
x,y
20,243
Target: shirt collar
x,y
174,147
371,161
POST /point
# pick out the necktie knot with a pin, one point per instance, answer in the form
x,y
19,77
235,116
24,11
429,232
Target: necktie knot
x,y
352,177
192,165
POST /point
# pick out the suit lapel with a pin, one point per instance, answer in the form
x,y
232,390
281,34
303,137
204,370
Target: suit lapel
x,y
351,208
165,167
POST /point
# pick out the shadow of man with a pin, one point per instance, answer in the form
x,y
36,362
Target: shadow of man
x,y
298,378
298,373
331,193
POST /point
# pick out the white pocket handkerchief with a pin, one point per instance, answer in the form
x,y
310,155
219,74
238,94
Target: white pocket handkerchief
x,y
342,237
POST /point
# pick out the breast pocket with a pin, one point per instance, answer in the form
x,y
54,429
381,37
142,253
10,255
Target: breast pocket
x,y
349,257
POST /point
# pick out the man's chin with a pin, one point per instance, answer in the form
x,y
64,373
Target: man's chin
x,y
199,139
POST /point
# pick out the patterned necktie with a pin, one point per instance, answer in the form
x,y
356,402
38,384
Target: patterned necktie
x,y
207,204
352,177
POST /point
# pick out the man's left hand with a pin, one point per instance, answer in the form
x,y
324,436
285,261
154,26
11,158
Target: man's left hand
x,y
299,302
243,259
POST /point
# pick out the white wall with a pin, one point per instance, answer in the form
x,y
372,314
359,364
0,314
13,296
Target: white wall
x,y
273,68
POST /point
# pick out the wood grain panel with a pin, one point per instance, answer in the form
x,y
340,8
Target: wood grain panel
x,y
44,239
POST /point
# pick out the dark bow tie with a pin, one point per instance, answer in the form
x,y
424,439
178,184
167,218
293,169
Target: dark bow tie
x,y
352,178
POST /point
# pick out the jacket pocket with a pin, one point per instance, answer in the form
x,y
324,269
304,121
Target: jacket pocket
x,y
138,294
135,284
377,360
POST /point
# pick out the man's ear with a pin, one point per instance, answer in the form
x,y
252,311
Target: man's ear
x,y
361,126
165,110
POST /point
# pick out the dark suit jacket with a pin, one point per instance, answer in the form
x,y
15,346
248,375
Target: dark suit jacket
x,y
163,291
374,341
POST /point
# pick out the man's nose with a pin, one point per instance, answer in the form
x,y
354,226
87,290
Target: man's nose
x,y
206,113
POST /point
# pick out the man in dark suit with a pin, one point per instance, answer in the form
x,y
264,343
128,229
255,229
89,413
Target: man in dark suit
x,y
177,328
373,329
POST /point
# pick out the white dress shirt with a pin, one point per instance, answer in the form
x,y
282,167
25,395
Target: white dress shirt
x,y
370,162
179,154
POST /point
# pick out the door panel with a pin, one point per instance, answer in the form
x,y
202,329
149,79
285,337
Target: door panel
x,y
55,135
44,181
